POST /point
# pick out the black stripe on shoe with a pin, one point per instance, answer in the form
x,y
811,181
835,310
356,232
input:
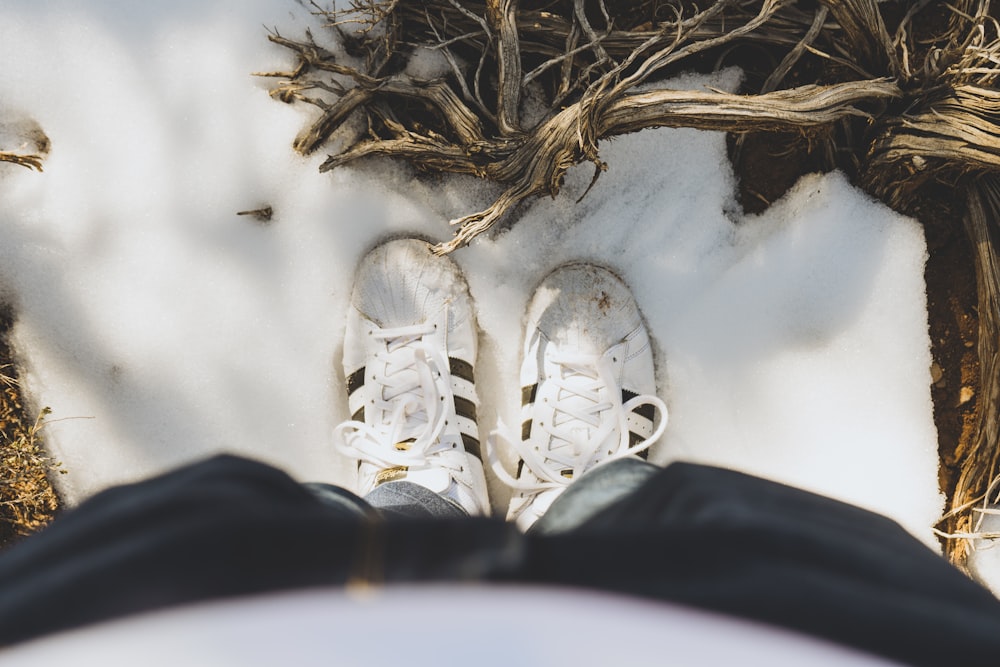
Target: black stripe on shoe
x,y
461,369
465,408
472,446
646,410
355,380
633,440
528,395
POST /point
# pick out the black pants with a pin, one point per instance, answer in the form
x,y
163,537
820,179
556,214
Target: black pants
x,y
697,535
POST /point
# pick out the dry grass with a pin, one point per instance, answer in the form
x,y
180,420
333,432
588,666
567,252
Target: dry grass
x,y
27,499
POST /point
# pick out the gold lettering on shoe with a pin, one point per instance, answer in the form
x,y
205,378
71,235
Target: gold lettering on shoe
x,y
390,475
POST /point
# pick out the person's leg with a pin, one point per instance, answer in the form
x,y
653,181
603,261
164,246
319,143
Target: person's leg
x,y
409,358
396,499
408,500
339,498
698,535
224,526
229,526
597,490
588,397
730,542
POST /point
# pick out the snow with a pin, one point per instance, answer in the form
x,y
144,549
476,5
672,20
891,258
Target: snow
x,y
984,561
161,327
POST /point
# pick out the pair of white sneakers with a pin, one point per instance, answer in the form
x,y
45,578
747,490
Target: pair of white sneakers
x,y
587,381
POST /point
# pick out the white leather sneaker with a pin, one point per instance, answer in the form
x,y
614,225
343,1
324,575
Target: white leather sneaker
x,y
587,386
409,354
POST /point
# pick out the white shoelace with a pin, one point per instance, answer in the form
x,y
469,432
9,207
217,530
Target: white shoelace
x,y
591,396
414,405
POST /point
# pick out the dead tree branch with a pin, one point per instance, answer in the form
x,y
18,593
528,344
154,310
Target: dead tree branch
x,y
432,125
29,161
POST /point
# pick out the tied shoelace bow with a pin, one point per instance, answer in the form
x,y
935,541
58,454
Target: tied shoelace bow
x,y
411,407
588,411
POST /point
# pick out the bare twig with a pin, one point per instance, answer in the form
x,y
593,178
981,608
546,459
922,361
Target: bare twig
x,y
502,19
29,161
580,13
795,54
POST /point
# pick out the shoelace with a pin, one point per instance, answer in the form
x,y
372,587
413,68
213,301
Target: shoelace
x,y
416,393
592,396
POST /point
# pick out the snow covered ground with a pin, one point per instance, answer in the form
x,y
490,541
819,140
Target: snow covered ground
x,y
160,327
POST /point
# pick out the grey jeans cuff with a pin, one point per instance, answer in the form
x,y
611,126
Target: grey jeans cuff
x,y
597,489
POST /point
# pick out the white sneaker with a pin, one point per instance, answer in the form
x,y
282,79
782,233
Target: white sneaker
x,y
409,352
587,386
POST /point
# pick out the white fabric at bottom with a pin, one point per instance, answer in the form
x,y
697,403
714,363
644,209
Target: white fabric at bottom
x,y
486,626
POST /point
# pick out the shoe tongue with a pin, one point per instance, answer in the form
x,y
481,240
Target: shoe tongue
x,y
581,433
576,338
414,416
413,427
